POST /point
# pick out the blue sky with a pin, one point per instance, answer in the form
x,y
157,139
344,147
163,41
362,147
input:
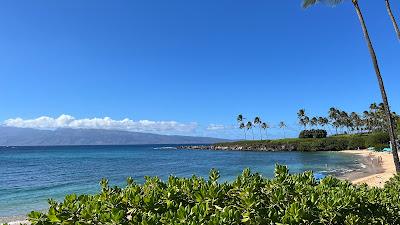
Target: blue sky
x,y
192,62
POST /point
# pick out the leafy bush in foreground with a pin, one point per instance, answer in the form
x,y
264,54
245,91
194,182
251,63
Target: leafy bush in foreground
x,y
250,199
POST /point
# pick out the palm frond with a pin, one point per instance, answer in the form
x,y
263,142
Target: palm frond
x,y
308,3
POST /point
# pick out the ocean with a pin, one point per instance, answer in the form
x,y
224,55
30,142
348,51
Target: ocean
x,y
31,175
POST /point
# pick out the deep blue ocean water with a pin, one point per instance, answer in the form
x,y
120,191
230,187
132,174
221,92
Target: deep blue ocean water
x,y
31,175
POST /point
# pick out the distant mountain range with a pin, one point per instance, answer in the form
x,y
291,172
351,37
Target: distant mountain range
x,y
12,136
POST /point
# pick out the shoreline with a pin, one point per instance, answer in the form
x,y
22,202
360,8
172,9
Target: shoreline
x,y
379,168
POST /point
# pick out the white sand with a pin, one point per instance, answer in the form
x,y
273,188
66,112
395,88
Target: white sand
x,y
385,161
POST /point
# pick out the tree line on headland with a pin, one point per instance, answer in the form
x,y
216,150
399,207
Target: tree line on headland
x,y
342,122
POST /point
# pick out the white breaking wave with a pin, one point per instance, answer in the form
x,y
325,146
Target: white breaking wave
x,y
164,148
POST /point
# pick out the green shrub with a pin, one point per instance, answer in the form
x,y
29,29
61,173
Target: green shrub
x,y
336,144
250,199
306,146
326,144
313,134
357,142
377,138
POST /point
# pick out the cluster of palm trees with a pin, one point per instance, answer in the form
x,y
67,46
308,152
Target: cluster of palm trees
x,y
375,118
388,114
312,122
257,122
371,120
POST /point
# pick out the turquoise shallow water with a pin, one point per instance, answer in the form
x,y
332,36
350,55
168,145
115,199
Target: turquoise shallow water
x,y
31,175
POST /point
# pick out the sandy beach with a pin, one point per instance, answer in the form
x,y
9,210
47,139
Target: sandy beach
x,y
379,168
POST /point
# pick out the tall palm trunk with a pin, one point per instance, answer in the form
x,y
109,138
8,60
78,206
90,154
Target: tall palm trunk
x,y
389,9
381,86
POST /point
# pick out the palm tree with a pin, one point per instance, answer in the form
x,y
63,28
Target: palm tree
x,y
322,121
354,121
249,126
374,114
265,126
242,126
314,121
283,126
307,3
257,121
336,125
303,119
396,28
240,119
367,121
333,117
373,107
301,113
306,121
345,121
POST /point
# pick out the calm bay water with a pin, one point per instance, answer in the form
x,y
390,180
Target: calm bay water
x,y
31,175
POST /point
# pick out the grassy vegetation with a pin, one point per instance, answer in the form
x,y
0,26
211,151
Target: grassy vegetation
x,y
334,143
250,199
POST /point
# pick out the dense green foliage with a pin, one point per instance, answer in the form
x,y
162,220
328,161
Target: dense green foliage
x,y
313,133
334,143
250,199
378,139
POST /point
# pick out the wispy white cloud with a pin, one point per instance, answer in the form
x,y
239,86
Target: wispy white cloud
x,y
67,121
215,127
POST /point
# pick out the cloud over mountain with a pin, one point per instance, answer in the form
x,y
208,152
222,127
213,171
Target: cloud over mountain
x,y
67,121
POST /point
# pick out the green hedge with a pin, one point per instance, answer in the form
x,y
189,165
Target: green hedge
x,y
250,199
334,143
378,139
327,144
313,134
